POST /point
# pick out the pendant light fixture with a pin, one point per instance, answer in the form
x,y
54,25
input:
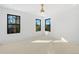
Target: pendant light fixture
x,y
43,23
42,10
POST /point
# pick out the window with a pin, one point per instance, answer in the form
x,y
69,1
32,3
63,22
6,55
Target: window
x,y
47,24
13,24
38,25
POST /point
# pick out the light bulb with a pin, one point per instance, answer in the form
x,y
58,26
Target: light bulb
x,y
42,14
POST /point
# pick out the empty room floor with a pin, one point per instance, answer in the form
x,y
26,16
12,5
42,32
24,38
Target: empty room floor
x,y
27,46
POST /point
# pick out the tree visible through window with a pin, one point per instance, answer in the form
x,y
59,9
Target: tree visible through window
x,y
38,25
13,23
47,24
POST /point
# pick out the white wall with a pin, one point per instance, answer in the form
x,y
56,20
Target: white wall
x,y
66,24
27,25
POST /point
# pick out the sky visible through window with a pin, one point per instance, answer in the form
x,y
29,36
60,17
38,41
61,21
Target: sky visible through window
x,y
48,21
38,21
11,19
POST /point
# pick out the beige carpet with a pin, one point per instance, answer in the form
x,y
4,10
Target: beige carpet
x,y
27,47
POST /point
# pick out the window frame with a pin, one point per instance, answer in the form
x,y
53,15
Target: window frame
x,y
48,25
36,24
13,24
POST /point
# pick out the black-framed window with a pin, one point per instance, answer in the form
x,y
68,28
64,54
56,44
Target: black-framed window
x,y
48,24
38,25
13,24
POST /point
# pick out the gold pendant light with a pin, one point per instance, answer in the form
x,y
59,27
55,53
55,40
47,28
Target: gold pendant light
x,y
42,8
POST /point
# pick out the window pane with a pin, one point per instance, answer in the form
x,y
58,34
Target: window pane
x,y
11,19
38,25
11,28
17,28
47,24
17,20
13,24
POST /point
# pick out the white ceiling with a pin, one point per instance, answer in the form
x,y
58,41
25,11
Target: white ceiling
x,y
50,9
